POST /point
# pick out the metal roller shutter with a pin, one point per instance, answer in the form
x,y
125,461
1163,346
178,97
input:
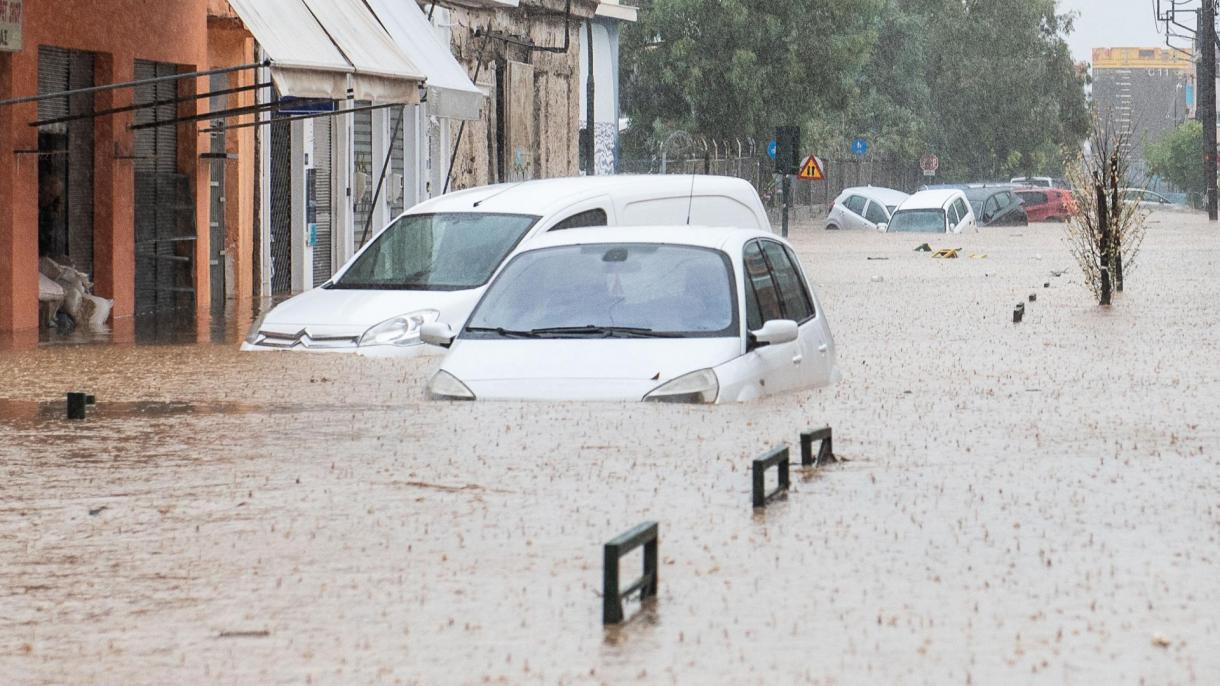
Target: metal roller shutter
x,y
164,204
365,180
281,207
393,185
323,139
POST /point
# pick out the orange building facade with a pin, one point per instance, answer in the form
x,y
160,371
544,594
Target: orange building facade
x,y
160,215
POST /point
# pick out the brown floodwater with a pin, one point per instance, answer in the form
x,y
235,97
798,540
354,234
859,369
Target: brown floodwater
x,y
1032,503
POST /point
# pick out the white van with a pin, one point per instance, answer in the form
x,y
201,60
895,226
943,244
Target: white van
x,y
433,262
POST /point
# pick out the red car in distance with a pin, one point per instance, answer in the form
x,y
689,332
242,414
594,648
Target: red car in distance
x,y
1047,204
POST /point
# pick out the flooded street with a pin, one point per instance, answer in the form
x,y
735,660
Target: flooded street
x,y
1032,503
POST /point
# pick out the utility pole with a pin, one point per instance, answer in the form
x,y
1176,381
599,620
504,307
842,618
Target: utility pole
x,y
1207,98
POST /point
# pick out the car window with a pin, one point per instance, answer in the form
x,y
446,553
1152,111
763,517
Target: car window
x,y
962,210
856,204
575,290
954,217
918,221
1033,198
793,296
762,296
1005,199
875,214
992,207
437,252
594,217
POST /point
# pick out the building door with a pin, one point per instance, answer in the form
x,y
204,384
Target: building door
x,y
164,202
65,159
322,211
364,179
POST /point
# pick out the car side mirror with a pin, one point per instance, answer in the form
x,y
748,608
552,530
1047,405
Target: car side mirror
x,y
437,333
775,332
883,227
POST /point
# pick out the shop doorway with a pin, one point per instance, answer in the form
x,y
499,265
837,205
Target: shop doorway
x,y
65,158
165,232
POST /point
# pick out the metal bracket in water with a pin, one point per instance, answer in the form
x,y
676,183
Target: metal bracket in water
x,y
826,451
77,402
612,598
778,457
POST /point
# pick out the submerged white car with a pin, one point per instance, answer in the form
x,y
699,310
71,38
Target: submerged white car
x,y
433,262
865,207
676,314
943,210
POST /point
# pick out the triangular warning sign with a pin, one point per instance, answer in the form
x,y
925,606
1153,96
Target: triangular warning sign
x,y
811,170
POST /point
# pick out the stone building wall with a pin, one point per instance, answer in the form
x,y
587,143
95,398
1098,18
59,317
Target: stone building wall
x,y
487,153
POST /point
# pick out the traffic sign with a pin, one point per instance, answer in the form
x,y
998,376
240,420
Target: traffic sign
x,y
772,148
811,170
929,164
859,147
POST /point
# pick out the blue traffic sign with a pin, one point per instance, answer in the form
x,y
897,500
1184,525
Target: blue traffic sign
x,y
773,148
859,147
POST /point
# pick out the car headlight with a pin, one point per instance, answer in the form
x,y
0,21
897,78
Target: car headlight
x,y
697,387
400,330
253,336
445,386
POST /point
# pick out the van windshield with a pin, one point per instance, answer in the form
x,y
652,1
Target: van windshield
x,y
918,221
437,252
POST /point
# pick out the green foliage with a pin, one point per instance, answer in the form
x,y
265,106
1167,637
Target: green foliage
x,y
988,86
1176,159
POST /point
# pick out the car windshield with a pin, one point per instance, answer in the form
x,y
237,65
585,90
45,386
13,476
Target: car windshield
x,y
610,290
918,221
437,252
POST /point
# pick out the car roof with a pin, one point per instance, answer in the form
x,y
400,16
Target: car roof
x,y
888,196
931,199
716,237
545,196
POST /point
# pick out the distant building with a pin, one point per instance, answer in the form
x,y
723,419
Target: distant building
x,y
1146,92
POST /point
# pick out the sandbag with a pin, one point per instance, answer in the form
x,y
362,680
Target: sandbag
x,y
96,311
48,289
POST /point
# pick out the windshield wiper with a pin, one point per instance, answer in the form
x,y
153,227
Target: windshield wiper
x,y
605,331
507,333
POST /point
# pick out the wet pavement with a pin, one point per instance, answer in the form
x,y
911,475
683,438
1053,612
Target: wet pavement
x,y
1032,503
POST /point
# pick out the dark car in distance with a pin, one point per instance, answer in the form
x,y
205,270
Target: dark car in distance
x,y
996,206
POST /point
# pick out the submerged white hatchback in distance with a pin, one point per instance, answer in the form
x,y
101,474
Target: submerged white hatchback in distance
x,y
678,314
432,263
866,207
934,211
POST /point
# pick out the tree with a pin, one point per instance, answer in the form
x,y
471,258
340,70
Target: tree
x,y
1175,158
990,87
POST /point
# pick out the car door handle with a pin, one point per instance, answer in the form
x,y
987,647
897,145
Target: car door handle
x,y
823,348
797,359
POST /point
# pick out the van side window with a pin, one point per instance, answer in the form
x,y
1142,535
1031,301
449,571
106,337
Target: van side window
x,y
954,217
595,217
961,208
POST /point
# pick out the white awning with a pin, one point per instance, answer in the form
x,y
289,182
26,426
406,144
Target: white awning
x,y
383,72
450,92
305,62
318,47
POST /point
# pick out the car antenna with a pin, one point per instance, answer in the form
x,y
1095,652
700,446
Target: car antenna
x,y
690,202
502,192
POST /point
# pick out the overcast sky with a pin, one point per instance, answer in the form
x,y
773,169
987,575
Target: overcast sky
x,y
1112,24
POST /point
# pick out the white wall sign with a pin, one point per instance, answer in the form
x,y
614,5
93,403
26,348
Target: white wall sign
x,y
11,12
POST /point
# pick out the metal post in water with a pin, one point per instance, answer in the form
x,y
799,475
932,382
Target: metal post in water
x,y
76,405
